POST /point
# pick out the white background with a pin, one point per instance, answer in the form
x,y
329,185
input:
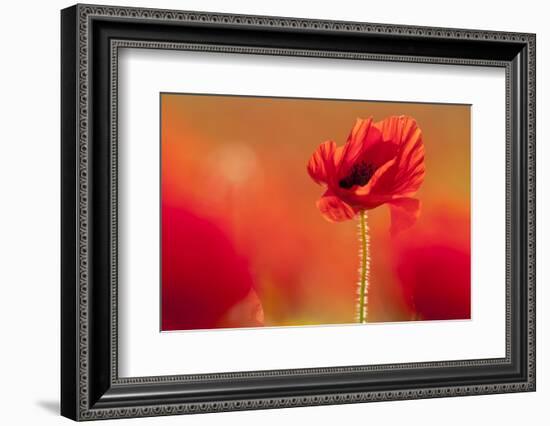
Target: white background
x,y
29,225
146,352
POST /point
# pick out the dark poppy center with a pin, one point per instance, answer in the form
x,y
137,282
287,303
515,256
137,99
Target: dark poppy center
x,y
360,174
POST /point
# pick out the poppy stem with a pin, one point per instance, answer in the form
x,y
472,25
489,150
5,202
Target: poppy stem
x,y
364,270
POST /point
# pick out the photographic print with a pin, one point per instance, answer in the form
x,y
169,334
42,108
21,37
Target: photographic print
x,y
298,212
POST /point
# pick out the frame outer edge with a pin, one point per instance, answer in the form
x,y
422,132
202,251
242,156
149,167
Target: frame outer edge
x,y
69,282
83,197
83,13
531,200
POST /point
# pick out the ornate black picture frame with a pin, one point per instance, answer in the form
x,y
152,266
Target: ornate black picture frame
x,y
91,387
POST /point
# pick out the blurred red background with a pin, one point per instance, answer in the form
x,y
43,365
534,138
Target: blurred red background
x,y
243,243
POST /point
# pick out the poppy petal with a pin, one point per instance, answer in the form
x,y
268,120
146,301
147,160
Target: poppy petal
x,y
334,209
380,172
404,213
380,153
409,170
363,197
321,165
362,137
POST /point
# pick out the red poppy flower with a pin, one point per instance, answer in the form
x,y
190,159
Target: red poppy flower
x,y
436,281
205,282
434,265
380,163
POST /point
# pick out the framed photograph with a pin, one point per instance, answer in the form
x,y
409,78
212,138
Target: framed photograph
x,y
263,212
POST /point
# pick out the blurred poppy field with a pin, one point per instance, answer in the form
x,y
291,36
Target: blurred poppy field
x,y
244,243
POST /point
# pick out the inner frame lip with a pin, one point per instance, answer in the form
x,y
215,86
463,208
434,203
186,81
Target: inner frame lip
x,y
116,44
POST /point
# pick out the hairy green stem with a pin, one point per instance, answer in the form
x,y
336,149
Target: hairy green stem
x,y
365,267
